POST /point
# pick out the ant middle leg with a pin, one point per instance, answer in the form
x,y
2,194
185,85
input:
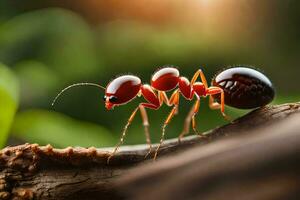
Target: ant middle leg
x,y
174,100
169,118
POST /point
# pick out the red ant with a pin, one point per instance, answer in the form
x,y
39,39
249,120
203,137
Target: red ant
x,y
125,88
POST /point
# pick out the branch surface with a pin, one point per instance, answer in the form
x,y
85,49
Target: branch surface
x,y
31,171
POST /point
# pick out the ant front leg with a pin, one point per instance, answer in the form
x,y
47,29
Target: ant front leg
x,y
142,109
153,103
215,105
123,134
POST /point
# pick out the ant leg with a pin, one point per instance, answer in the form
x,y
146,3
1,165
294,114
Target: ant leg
x,y
174,99
187,123
191,117
146,128
153,103
123,134
169,118
215,105
212,104
202,76
195,111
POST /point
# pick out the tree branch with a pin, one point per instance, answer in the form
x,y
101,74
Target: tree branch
x,y
41,172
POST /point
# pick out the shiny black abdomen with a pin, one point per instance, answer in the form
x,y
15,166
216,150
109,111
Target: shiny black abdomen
x,y
244,87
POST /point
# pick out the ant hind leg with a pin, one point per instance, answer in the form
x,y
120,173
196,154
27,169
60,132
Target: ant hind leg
x,y
215,105
195,111
186,125
191,117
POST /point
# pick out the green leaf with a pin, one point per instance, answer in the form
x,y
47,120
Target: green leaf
x,y
46,127
9,97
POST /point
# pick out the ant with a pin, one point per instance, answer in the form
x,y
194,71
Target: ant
x,y
239,87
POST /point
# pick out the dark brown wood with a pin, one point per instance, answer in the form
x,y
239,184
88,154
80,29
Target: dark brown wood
x,y
263,164
30,171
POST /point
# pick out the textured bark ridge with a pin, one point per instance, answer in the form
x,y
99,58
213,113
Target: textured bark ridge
x,y
253,155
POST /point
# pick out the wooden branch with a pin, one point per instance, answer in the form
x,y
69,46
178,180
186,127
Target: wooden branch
x,y
30,171
263,164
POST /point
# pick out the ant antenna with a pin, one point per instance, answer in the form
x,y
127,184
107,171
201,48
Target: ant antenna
x,y
75,85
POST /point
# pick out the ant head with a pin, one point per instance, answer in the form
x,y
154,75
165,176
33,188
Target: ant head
x,y
110,101
121,90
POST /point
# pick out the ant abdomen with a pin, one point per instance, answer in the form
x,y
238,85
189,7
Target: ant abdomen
x,y
244,87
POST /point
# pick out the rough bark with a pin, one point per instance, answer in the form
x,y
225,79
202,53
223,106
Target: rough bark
x,y
244,149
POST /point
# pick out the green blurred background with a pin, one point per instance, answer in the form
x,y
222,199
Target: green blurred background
x,y
47,45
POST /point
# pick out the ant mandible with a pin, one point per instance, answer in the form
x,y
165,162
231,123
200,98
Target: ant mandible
x,y
239,87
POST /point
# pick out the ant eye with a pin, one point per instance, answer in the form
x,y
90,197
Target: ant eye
x,y
104,98
113,99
